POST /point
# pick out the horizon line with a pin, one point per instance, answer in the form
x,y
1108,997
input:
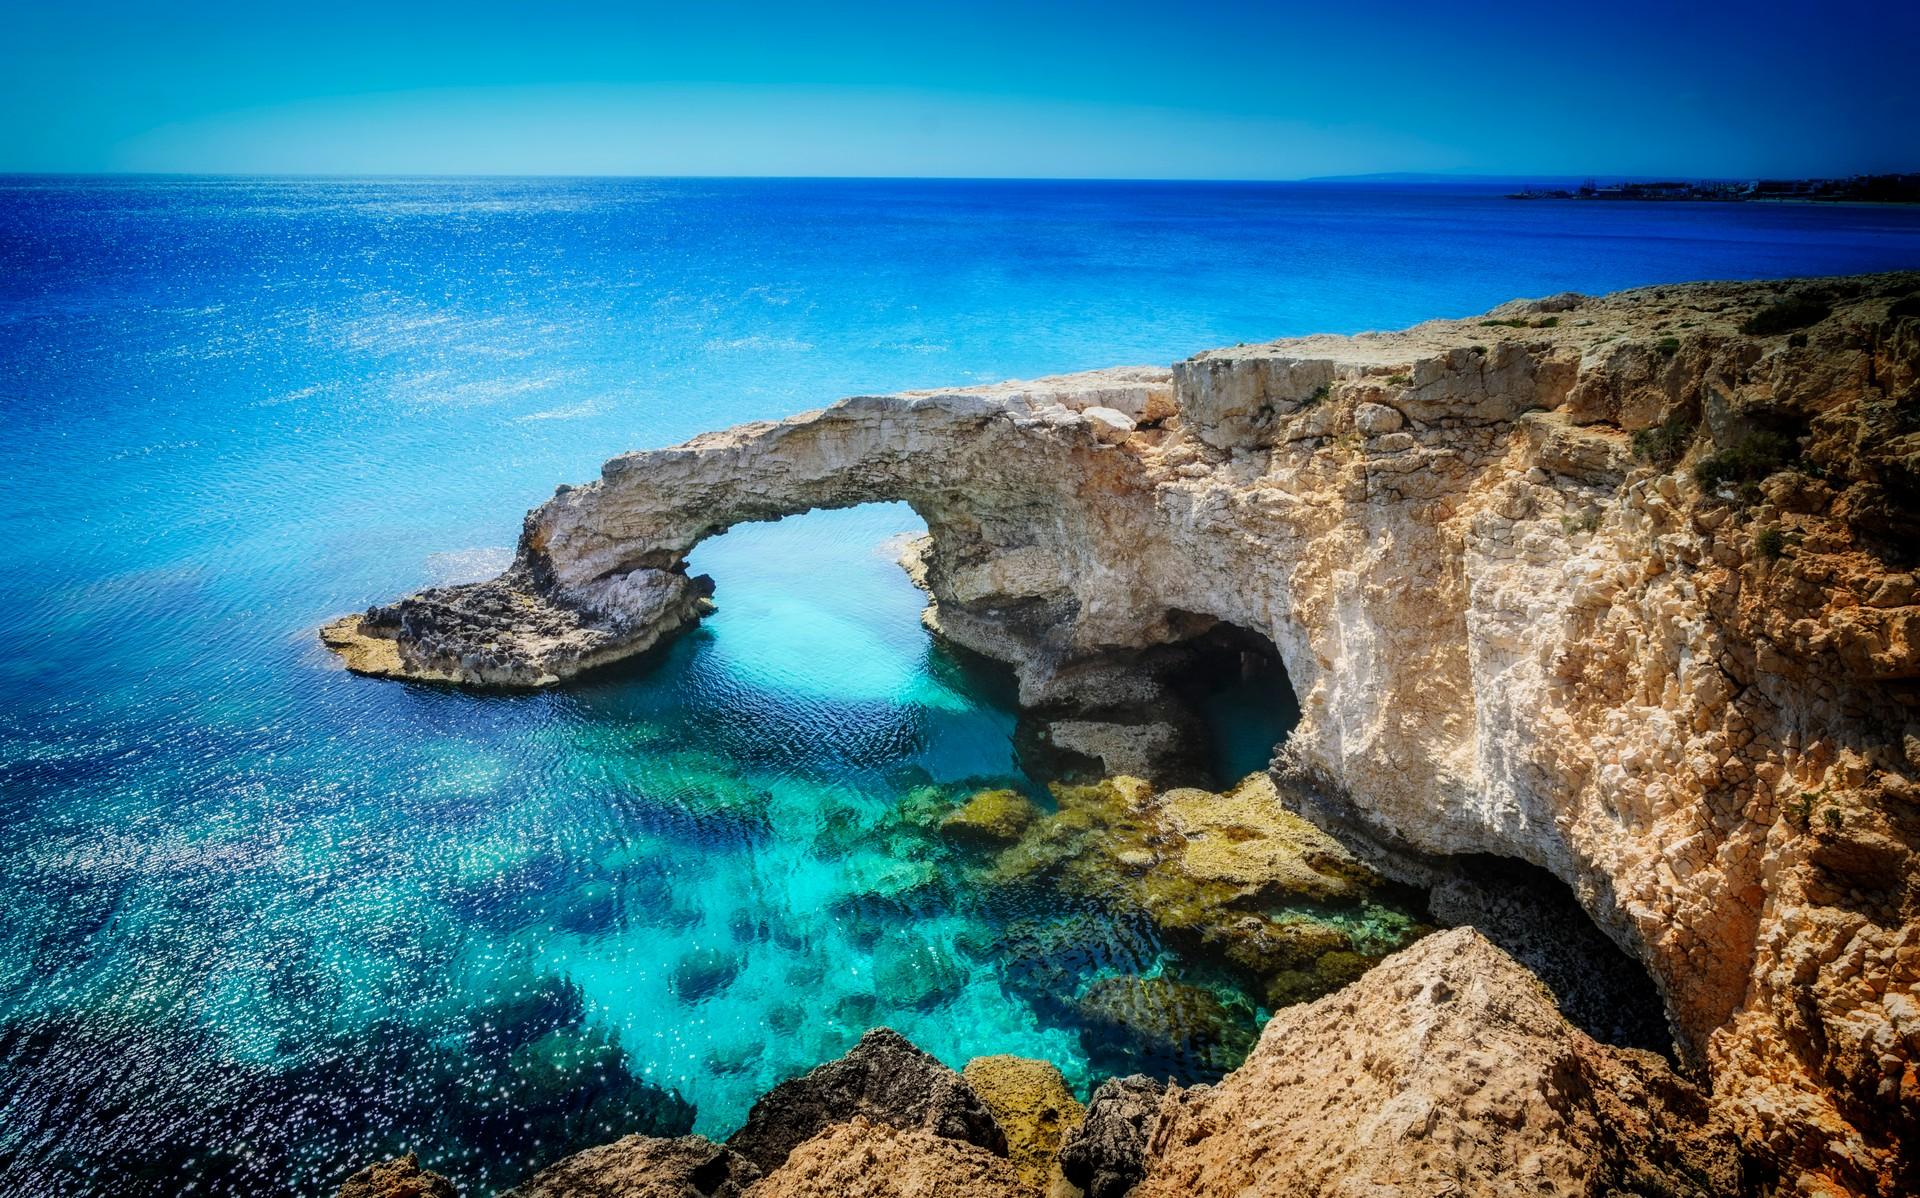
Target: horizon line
x,y
1362,176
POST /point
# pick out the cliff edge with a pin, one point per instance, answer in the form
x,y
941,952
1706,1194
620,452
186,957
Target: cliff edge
x,y
1622,587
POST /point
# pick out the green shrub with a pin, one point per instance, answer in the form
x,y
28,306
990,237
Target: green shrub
x,y
1668,346
1756,456
1547,322
1586,521
1800,810
1784,316
1770,542
1665,443
1319,393
1400,380
1503,324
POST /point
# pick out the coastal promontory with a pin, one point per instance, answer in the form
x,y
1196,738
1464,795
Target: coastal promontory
x,y
1621,588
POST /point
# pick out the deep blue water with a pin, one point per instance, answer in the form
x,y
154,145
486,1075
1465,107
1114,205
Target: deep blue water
x,y
264,919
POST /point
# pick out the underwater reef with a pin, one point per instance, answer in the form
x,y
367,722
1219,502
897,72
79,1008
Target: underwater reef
x,y
1618,591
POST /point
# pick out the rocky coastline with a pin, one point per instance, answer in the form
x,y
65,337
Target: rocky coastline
x,y
1619,589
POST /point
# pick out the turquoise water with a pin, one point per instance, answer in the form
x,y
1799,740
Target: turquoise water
x,y
265,919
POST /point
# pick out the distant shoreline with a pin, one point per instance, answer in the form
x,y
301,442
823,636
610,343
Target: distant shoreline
x,y
1881,190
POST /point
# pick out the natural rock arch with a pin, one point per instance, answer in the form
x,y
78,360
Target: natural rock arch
x,y
1507,634
1032,511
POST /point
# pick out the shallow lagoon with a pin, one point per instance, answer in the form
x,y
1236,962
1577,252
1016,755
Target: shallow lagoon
x,y
265,920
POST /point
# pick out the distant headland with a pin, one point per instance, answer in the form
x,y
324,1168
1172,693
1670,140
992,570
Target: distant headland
x,y
1859,189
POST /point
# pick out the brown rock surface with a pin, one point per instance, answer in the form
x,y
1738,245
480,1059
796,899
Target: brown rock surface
x,y
644,1167
1445,1070
865,1159
884,1079
401,1177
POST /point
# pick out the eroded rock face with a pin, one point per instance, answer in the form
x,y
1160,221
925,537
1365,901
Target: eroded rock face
x,y
1625,593
1445,1070
1033,1106
401,1177
885,1079
1106,1156
864,1158
644,1167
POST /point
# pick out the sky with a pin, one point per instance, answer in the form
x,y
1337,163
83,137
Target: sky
x,y
1167,89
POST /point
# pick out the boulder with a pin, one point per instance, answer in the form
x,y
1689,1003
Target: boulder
x,y
867,1158
401,1177
1377,419
644,1167
1106,1154
1034,1107
884,1078
1446,1069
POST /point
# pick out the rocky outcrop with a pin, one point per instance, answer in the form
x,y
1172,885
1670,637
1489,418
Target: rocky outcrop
x,y
1106,1156
1622,587
886,1119
1033,1106
885,1079
1446,1070
863,1158
401,1177
644,1167
990,817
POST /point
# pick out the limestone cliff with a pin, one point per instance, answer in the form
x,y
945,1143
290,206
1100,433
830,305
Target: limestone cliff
x,y
1622,587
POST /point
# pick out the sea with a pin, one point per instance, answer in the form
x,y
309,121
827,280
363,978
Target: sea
x,y
264,921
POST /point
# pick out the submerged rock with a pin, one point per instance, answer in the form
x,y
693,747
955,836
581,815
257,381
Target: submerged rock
x,y
1046,962
1233,879
886,1079
916,974
1033,1106
644,1167
703,973
1167,1026
401,1177
991,817
1106,1156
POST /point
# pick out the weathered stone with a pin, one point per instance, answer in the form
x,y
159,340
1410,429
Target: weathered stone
x,y
884,1078
1106,1156
1033,1106
1377,419
870,1158
401,1177
1445,1070
644,1167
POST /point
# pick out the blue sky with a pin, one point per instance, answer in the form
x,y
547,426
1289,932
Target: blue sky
x,y
1193,89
